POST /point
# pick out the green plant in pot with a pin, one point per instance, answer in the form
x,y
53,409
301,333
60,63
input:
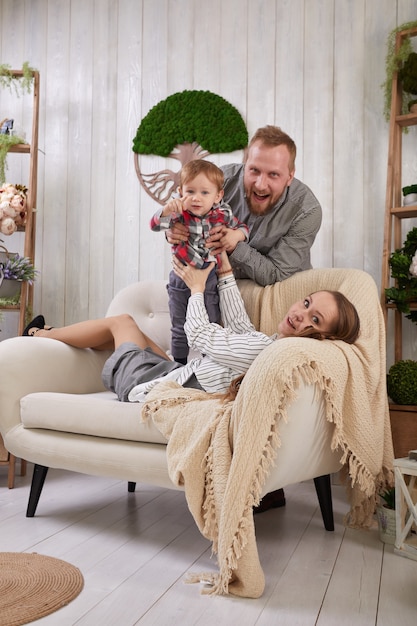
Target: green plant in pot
x,y
13,271
388,497
403,264
395,61
402,390
20,85
410,194
412,106
402,382
408,74
385,513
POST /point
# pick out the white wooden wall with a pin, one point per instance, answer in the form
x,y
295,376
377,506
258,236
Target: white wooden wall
x,y
314,67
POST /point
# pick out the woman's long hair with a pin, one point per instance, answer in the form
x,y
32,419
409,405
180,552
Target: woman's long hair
x,y
346,327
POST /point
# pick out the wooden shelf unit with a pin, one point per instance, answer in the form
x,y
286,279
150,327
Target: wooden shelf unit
x,y
26,292
394,211
31,149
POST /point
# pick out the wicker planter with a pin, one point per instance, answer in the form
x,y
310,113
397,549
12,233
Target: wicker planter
x,y
404,428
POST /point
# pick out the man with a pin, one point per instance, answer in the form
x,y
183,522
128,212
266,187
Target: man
x,y
281,212
283,217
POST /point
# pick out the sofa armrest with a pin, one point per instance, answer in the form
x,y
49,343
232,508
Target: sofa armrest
x,y
29,365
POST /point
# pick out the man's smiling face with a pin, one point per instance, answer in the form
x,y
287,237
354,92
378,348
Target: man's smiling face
x,y
267,174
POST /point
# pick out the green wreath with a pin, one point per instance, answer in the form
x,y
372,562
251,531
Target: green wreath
x,y
405,290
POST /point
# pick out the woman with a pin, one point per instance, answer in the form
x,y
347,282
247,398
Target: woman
x,y
137,363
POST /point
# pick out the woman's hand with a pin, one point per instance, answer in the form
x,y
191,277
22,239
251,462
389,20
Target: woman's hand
x,y
225,266
194,278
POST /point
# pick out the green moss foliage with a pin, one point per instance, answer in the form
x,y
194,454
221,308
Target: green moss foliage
x,y
402,382
406,289
191,116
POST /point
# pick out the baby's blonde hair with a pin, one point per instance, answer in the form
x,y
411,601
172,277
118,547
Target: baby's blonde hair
x,y
199,166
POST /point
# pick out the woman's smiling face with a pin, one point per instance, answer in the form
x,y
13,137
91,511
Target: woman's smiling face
x,y
318,311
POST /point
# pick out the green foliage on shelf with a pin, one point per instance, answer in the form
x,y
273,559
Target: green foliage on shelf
x,y
394,62
408,74
409,189
406,289
18,267
18,84
202,117
402,382
6,142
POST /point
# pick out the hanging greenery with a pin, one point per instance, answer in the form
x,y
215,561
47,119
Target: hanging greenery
x,y
18,84
6,142
393,62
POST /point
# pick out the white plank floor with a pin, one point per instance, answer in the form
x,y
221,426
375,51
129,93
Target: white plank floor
x,y
135,549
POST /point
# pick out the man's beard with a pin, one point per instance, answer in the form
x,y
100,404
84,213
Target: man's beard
x,y
254,210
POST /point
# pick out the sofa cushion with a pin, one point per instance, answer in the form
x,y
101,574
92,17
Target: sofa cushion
x,y
99,414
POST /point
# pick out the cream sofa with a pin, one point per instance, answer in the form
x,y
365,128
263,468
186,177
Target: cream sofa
x,y
54,411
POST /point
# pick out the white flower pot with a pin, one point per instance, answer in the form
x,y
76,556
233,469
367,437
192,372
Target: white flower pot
x,y
410,198
386,524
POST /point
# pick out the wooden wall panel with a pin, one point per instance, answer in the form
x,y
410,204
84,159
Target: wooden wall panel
x,y
318,137
314,68
125,255
288,73
261,63
348,146
102,197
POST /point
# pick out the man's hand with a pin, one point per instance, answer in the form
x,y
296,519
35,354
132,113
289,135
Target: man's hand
x,y
176,234
194,278
224,239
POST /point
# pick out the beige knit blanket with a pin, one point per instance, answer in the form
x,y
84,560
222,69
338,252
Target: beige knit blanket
x,y
221,453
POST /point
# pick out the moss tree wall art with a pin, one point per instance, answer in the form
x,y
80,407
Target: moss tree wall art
x,y
185,126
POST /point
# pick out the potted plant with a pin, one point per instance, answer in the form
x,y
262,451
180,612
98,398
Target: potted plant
x,y
20,85
402,390
412,106
14,270
408,74
403,264
385,513
394,62
410,194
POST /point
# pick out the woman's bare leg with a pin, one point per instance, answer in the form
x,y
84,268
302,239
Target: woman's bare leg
x,y
102,334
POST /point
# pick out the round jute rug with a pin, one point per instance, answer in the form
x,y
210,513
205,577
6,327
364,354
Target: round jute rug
x,y
32,586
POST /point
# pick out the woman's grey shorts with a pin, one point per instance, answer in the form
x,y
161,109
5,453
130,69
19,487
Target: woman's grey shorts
x,y
130,365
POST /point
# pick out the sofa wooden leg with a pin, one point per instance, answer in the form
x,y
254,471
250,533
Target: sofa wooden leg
x,y
38,479
324,494
12,470
131,487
